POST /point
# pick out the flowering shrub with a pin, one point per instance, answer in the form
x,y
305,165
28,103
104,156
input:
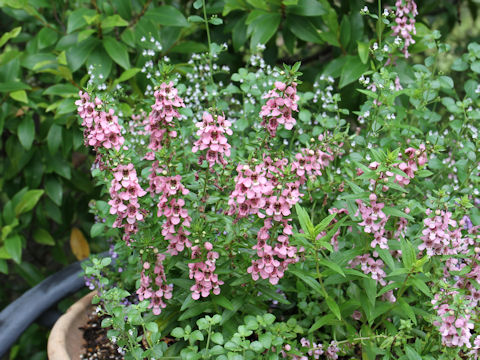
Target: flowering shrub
x,y
304,231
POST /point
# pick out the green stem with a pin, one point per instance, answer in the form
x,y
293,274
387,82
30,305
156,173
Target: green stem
x,y
379,24
205,19
208,341
399,295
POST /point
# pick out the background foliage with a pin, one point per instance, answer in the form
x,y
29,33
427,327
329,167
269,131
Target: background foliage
x,y
46,50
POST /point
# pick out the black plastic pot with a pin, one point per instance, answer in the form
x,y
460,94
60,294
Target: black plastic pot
x,y
37,304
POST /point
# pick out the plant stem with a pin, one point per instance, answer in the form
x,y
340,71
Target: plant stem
x,y
208,341
379,24
205,19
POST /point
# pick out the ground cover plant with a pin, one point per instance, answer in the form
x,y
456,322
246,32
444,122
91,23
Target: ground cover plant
x,y
252,219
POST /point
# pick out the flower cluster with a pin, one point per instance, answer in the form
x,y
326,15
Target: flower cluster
x,y
273,261
124,193
101,129
174,229
310,162
371,266
282,101
454,327
314,349
374,220
441,235
262,190
157,290
206,281
162,116
251,191
212,131
405,13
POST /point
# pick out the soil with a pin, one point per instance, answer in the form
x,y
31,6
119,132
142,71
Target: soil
x,y
98,346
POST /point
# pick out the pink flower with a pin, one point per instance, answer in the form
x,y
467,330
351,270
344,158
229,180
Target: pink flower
x,y
124,193
157,290
212,131
206,281
282,101
405,13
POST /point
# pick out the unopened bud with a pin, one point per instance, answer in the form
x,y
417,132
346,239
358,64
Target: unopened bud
x,y
437,212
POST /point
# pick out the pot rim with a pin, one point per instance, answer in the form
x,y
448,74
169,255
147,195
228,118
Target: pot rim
x,y
57,340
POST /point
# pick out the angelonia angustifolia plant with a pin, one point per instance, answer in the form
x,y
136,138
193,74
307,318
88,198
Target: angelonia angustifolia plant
x,y
253,217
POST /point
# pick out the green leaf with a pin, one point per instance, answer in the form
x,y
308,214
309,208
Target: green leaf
x,y
324,223
26,132
178,332
420,285
263,28
127,74
303,29
10,35
352,70
117,51
43,237
475,67
217,338
307,8
195,19
223,301
19,95
46,37
309,280
215,21
78,54
332,265
459,65
101,62
257,346
28,201
423,173
167,15
61,90
113,20
324,320
97,229
370,287
195,310
333,306
77,19
409,256
54,190
304,220
412,354
395,212
363,51
54,138
407,310
188,47
3,267
13,245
